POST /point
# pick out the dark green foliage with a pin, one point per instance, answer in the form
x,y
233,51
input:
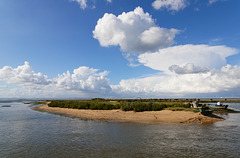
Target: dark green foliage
x,y
6,106
93,105
149,106
158,106
136,105
103,106
39,102
126,106
98,99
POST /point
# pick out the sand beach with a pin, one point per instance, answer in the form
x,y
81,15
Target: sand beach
x,y
164,116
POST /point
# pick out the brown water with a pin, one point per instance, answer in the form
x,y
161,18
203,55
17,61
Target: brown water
x,y
28,133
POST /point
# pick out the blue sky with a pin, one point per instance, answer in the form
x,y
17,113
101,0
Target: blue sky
x,y
119,48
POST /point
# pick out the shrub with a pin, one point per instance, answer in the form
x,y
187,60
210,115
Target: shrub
x,y
136,105
158,106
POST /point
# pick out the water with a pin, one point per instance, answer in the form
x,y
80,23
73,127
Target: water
x,y
28,133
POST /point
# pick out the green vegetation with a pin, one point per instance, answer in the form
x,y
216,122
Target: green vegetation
x,y
93,105
219,110
150,106
182,109
39,102
6,105
137,105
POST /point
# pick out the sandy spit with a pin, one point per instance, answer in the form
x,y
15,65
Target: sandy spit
x,y
152,117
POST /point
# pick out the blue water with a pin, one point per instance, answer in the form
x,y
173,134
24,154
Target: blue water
x,y
25,132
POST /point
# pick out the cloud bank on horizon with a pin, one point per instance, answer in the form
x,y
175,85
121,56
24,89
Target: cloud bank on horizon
x,y
184,70
83,80
87,81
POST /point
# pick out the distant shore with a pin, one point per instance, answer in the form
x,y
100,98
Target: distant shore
x,y
152,117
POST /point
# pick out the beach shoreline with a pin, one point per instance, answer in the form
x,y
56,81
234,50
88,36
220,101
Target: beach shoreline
x,y
149,117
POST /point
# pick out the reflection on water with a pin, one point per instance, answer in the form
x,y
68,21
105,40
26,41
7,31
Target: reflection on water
x,y
28,133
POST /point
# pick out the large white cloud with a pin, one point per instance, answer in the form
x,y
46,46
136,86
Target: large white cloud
x,y
134,32
214,81
87,82
199,55
23,75
173,5
199,70
83,80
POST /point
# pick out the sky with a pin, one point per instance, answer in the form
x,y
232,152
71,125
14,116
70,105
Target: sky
x,y
119,48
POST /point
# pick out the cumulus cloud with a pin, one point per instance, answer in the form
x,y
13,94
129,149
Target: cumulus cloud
x,y
214,81
23,75
84,79
134,32
200,55
172,5
188,69
88,82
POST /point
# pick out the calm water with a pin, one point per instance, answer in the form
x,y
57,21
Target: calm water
x,y
28,133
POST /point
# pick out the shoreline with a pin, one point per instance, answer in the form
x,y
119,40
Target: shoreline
x,y
149,117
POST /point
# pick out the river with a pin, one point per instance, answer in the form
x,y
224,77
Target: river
x,y
25,132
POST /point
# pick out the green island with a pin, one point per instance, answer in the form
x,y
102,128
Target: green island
x,y
136,105
136,110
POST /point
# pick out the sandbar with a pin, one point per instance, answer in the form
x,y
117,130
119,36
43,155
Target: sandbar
x,y
152,117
